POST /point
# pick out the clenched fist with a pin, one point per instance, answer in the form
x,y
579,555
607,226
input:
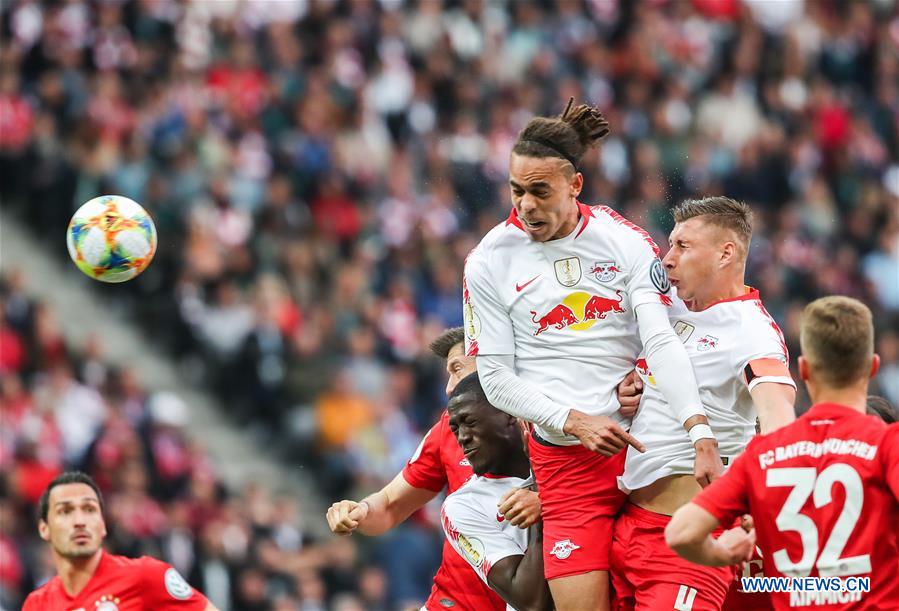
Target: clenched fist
x,y
344,516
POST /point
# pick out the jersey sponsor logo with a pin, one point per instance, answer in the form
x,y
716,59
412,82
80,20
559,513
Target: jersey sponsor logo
x,y
706,342
568,271
464,463
683,330
107,602
445,602
521,287
176,586
659,277
562,549
578,311
604,271
472,548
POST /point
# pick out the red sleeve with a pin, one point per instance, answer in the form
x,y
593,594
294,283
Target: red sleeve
x,y
165,588
32,603
425,468
890,457
728,496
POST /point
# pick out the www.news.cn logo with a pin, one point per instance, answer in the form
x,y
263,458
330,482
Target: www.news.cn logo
x,y
806,584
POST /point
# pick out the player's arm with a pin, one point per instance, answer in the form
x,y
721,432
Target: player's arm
x,y
519,579
689,533
379,512
774,404
768,379
674,377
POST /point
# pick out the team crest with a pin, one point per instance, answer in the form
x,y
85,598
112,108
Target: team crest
x,y
568,271
707,342
107,602
604,271
176,586
683,330
562,549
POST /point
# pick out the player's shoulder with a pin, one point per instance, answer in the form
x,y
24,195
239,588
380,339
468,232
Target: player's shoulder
x,y
42,597
621,229
506,234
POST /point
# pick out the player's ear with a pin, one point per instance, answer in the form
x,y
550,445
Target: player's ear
x,y
576,184
875,365
802,363
728,252
43,529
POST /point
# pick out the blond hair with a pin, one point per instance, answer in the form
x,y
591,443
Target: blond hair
x,y
837,339
722,212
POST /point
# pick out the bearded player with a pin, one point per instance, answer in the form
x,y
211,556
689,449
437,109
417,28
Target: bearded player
x,y
557,300
823,491
741,364
437,464
88,577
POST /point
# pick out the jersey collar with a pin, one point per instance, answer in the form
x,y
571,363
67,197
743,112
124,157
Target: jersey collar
x,y
585,211
749,294
824,411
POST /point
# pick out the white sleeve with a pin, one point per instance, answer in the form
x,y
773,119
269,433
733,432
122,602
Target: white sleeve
x,y
488,326
516,396
477,538
762,356
647,280
668,360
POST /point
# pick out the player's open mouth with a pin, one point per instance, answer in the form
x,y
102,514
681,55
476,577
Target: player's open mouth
x,y
468,452
533,224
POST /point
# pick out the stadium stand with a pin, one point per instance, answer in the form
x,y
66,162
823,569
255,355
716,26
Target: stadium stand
x,y
318,171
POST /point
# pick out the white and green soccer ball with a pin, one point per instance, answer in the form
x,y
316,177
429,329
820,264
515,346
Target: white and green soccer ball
x,y
111,238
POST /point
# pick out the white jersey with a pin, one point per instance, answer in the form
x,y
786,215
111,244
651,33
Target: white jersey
x,y
475,528
722,341
564,308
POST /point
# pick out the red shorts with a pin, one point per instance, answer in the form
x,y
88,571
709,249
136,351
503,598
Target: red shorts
x,y
737,599
580,497
648,575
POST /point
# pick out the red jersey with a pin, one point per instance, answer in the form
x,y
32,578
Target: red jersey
x,y
823,494
439,462
121,584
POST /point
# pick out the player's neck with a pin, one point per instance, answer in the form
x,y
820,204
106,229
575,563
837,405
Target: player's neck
x,y
854,397
75,573
571,221
516,465
716,292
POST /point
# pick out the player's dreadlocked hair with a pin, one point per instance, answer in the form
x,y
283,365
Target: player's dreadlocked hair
x,y
567,136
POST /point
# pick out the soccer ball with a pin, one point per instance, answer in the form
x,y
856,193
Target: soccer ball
x,y
111,238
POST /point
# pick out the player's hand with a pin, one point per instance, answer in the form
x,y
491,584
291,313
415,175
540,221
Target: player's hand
x,y
630,390
736,545
708,466
344,516
599,434
521,507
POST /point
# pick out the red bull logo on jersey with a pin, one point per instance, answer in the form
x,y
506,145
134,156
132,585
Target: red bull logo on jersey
x,y
643,369
707,342
578,311
604,271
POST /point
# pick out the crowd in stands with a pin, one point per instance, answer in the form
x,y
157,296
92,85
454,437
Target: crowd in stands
x,y
319,169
